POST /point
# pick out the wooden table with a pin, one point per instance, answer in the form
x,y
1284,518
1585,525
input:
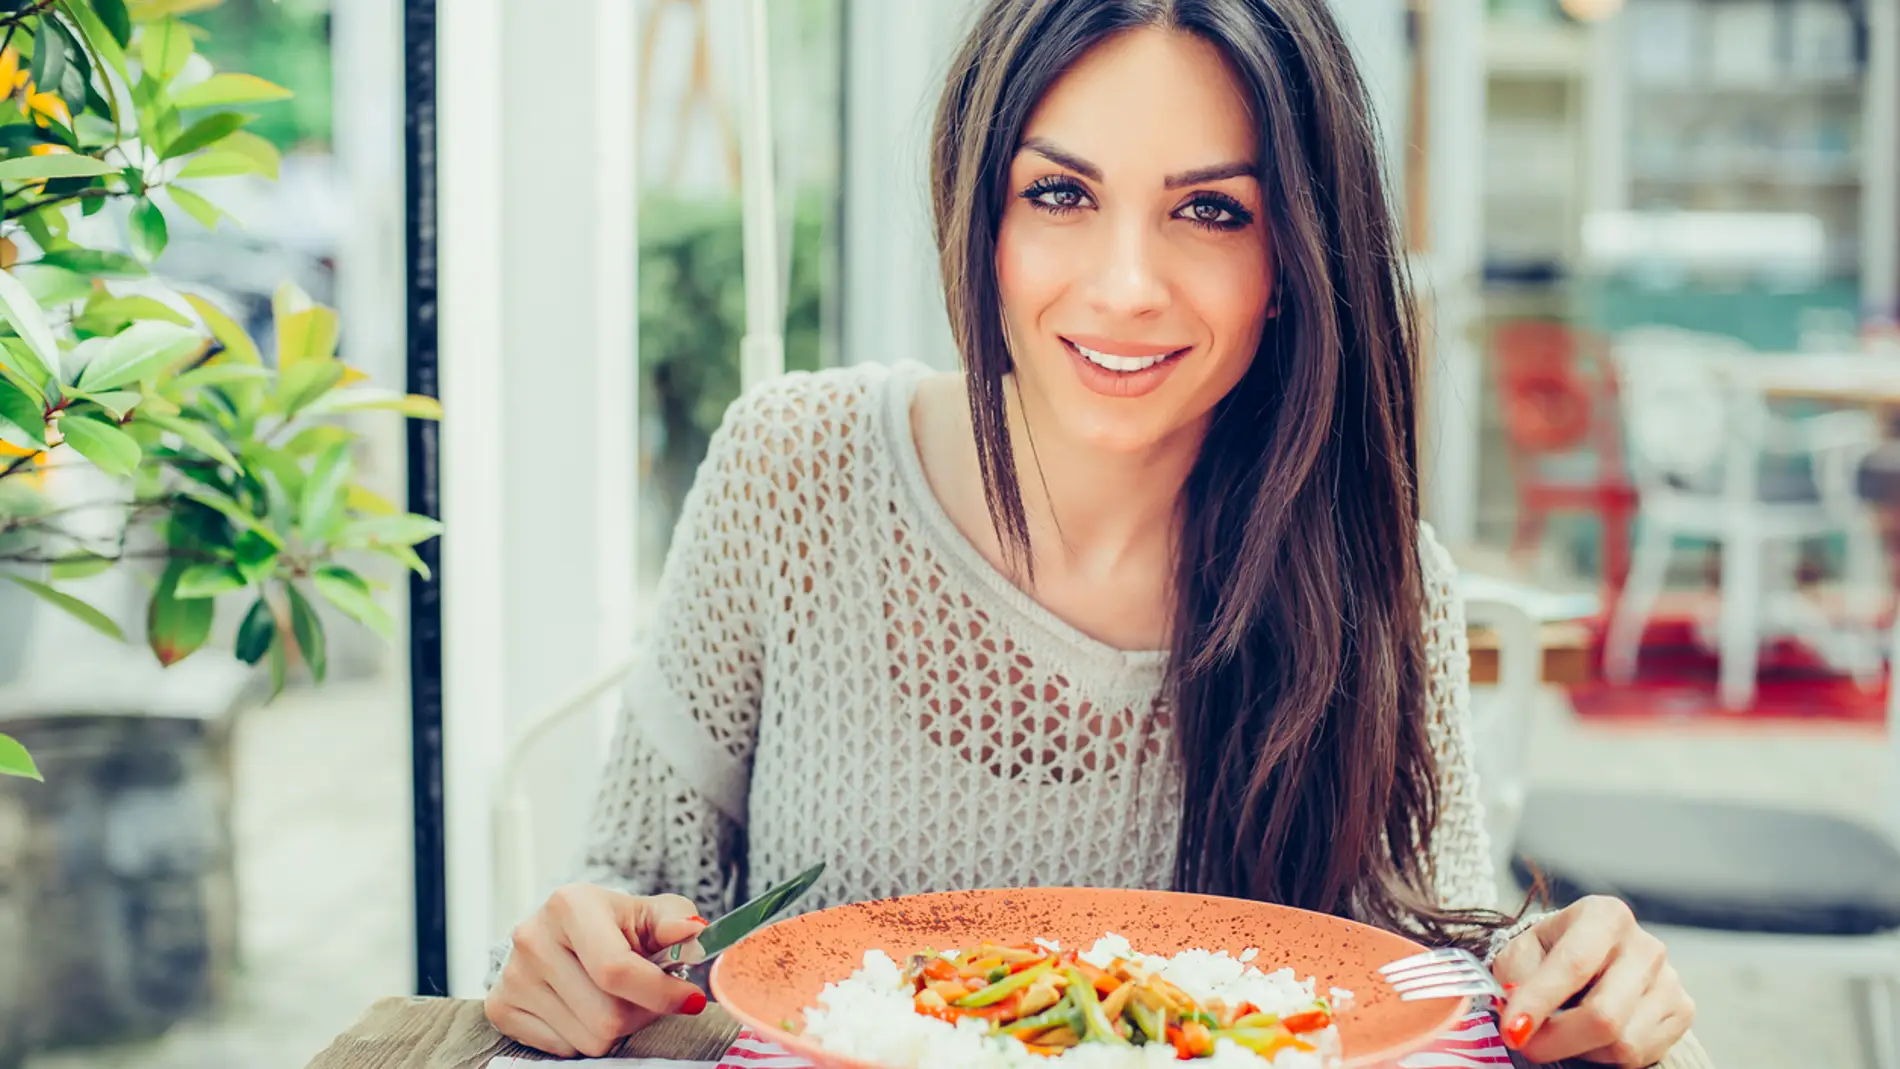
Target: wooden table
x,y
440,1033
1566,654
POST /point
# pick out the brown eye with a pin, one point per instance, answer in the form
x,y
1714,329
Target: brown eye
x,y
1057,196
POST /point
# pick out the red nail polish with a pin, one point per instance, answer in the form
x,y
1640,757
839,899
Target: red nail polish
x,y
1518,1032
694,1005
701,921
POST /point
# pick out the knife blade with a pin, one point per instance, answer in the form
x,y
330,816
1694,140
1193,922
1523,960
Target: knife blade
x,y
719,936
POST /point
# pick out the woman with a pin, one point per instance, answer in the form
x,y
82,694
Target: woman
x,y
1139,598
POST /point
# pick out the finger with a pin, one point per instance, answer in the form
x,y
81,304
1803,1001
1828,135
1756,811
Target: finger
x,y
601,1018
1607,1012
1662,1019
543,1003
527,1029
1578,956
1519,958
612,965
653,924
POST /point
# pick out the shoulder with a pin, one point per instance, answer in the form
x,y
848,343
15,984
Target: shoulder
x,y
803,423
1435,565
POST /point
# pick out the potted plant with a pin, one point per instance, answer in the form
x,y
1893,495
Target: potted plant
x,y
232,469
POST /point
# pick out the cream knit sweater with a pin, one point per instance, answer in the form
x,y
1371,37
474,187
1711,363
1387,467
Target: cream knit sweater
x,y
833,661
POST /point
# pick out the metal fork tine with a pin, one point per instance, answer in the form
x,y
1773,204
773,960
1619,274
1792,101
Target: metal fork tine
x,y
1448,991
1426,958
1438,971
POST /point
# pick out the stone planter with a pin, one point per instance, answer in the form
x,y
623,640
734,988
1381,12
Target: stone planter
x,y
118,891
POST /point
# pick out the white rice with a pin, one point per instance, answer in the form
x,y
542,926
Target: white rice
x,y
869,1016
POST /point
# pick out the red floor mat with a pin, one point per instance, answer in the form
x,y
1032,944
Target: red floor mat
x,y
1676,679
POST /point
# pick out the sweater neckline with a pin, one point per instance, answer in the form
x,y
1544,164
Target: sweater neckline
x,y
899,394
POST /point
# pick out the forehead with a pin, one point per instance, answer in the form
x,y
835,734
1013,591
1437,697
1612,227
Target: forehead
x,y
1148,100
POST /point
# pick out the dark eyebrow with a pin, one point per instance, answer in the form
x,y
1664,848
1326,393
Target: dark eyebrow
x,y
1200,175
1048,150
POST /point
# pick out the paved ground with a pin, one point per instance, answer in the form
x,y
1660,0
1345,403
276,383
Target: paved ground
x,y
323,811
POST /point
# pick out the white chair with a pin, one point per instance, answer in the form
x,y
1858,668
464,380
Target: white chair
x,y
1501,715
1697,442
522,821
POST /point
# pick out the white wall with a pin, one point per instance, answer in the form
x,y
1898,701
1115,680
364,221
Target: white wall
x,y
537,248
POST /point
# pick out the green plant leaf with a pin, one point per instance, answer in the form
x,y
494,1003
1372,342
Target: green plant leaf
x,y
323,491
279,667
208,581
58,165
308,628
82,566
105,445
51,54
196,206
116,402
22,419
150,234
306,336
29,322
301,384
255,555
360,498
145,349
216,374
405,556
164,48
96,263
204,133
15,761
9,373
176,627
113,18
72,606
315,439
223,90
126,310
52,286
240,153
351,595
238,345
407,529
194,434
257,632
365,398
231,510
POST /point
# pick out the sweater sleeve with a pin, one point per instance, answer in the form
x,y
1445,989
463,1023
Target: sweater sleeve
x,y
1461,860
670,812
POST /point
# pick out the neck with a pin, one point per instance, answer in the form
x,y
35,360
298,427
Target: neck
x,y
1091,509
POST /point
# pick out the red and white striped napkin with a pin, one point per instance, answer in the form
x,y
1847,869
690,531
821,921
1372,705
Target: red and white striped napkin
x,y
1473,1044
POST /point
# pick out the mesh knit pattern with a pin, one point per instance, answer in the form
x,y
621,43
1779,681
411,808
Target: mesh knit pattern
x,y
836,668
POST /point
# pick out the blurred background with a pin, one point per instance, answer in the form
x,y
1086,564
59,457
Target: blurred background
x,y
1657,244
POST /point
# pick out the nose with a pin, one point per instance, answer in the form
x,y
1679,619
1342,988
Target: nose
x,y
1129,278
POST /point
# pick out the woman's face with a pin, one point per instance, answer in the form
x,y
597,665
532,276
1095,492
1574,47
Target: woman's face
x,y
1133,256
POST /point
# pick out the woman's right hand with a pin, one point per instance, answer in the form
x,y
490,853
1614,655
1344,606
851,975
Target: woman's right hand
x,y
578,978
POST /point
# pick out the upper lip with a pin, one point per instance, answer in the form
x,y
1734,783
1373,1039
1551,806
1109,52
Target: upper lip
x,y
1111,347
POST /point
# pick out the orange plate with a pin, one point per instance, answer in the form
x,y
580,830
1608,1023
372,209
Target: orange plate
x,y
773,975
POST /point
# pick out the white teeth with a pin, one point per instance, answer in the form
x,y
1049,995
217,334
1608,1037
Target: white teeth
x,y
1120,363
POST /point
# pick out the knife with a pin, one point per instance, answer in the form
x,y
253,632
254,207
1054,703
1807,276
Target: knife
x,y
719,936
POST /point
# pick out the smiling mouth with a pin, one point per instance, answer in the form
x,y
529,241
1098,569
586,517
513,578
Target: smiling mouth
x,y
1119,363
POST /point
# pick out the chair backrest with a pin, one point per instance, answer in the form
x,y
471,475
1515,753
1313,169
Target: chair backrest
x,y
1548,403
1500,718
1678,406
537,820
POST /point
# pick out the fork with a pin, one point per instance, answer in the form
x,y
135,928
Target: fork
x,y
1446,973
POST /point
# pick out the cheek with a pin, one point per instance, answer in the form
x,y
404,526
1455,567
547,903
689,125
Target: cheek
x,y
1031,270
1231,298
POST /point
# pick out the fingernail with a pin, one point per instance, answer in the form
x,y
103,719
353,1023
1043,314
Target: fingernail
x,y
697,919
1518,1032
1508,988
694,1005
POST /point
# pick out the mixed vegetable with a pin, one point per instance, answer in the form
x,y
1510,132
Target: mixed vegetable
x,y
1053,1000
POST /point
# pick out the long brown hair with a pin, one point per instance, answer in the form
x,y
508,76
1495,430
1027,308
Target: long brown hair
x,y
1297,678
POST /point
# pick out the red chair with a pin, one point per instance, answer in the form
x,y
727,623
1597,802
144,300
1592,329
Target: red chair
x,y
1558,395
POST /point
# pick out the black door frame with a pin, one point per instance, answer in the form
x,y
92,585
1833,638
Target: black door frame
x,y
425,594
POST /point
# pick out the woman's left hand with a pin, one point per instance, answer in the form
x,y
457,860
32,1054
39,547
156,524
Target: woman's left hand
x,y
1589,983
